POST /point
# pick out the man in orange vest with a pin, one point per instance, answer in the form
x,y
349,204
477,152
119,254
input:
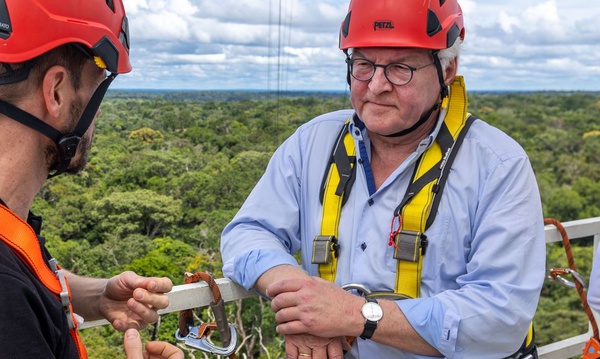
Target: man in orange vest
x,y
57,59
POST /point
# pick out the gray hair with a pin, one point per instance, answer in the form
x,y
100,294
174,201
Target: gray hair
x,y
449,54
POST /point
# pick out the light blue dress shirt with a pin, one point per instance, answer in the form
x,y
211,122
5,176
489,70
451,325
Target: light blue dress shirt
x,y
593,294
485,263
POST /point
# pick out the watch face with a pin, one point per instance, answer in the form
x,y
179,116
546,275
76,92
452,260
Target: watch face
x,y
372,311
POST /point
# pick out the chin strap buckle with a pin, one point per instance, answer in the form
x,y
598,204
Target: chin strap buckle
x,y
64,292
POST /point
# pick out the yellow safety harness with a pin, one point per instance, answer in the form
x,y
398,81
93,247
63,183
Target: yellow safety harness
x,y
336,189
412,216
415,213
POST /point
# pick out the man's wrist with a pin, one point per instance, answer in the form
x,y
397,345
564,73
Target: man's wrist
x,y
372,312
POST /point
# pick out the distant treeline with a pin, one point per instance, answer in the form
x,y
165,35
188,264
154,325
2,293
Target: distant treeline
x,y
225,95
239,95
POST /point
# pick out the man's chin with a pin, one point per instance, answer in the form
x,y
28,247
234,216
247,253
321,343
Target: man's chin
x,y
77,167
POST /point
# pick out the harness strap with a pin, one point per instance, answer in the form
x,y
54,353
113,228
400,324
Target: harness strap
x,y
23,241
413,212
335,190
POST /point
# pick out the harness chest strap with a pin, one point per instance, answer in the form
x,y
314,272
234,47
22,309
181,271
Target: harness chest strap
x,y
425,187
337,184
414,210
23,241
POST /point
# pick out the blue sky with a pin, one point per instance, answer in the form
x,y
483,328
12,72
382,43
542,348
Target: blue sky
x,y
292,45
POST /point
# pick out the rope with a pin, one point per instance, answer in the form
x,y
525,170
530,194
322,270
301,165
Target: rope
x,y
571,260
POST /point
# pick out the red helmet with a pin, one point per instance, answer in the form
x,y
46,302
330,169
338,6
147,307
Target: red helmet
x,y
428,24
29,28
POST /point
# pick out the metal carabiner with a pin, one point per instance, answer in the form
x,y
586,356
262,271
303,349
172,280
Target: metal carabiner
x,y
358,287
555,275
201,341
198,336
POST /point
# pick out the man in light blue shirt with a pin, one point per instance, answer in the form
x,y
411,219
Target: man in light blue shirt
x,y
485,260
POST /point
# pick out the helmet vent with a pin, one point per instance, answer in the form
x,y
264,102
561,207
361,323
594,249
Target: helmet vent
x,y
5,27
433,24
346,24
111,4
452,35
442,2
124,35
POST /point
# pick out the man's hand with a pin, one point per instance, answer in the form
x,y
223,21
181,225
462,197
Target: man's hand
x,y
315,306
154,350
300,346
132,301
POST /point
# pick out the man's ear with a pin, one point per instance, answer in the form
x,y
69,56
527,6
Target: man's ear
x,y
55,87
450,72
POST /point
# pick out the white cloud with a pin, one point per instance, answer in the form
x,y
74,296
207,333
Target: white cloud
x,y
159,27
542,13
508,22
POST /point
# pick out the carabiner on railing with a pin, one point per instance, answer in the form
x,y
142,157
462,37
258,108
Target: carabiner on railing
x,y
556,273
198,336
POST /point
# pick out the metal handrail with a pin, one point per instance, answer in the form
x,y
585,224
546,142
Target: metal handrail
x,y
198,295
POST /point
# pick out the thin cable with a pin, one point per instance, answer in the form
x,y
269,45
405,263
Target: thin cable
x,y
288,42
269,47
278,62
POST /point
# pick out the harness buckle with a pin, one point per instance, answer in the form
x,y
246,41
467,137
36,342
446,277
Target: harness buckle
x,y
410,246
64,291
324,247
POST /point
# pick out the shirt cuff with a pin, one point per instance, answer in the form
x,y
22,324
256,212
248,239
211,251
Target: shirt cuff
x,y
246,268
436,325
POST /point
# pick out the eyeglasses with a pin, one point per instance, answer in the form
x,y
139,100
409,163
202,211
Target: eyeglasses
x,y
397,73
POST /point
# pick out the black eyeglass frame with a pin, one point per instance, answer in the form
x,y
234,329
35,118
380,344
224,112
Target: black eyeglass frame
x,y
412,69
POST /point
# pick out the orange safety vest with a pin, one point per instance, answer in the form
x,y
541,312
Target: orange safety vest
x,y
23,241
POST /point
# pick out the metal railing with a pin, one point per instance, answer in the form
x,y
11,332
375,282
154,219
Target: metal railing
x,y
198,295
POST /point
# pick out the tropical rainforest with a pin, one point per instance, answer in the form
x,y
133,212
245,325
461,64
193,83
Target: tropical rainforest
x,y
168,170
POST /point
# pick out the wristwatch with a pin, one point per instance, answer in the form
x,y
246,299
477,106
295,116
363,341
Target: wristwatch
x,y
373,314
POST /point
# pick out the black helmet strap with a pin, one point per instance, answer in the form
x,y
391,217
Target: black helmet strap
x,y
66,144
440,71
